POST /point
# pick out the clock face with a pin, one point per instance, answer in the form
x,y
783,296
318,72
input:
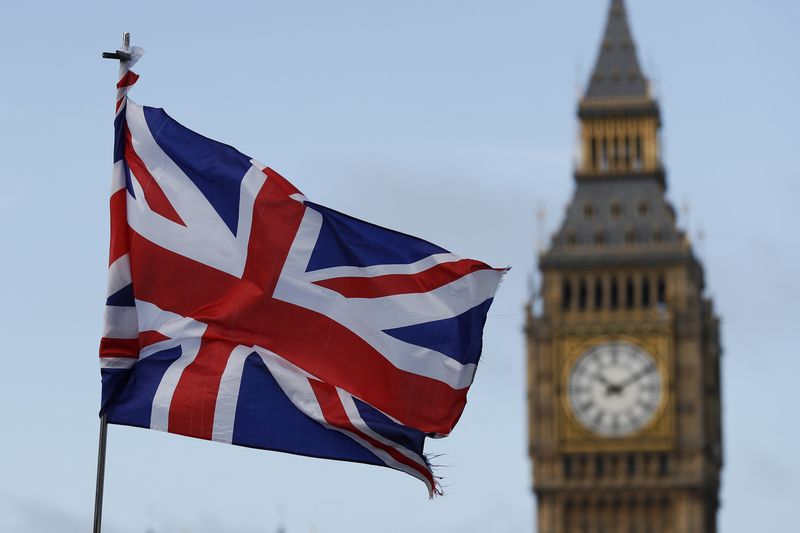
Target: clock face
x,y
614,389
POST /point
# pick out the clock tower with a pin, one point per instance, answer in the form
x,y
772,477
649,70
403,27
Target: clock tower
x,y
623,345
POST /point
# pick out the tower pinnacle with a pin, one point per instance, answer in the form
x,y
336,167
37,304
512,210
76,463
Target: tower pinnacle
x,y
617,73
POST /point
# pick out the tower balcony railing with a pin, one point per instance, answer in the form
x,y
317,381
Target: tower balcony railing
x,y
589,255
620,170
654,315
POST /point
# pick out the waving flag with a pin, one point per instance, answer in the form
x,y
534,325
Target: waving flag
x,y
239,311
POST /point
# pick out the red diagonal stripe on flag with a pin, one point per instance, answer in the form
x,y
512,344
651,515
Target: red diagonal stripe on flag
x,y
119,226
392,284
153,193
146,338
335,415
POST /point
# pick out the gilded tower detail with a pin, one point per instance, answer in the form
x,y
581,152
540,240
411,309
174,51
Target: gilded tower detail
x,y
623,346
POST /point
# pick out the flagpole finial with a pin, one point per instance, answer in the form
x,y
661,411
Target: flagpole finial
x,y
123,54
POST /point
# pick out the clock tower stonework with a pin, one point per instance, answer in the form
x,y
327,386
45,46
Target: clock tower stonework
x,y
623,346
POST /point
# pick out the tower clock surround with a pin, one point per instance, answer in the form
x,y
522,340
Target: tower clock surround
x,y
615,389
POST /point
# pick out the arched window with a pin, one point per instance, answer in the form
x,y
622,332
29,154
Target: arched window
x,y
566,295
613,295
629,293
627,152
658,236
594,152
582,295
631,465
599,238
572,239
604,155
616,152
663,464
598,293
599,466
645,291
661,291
638,160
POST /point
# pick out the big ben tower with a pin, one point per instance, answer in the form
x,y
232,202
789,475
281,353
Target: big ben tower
x,y
623,351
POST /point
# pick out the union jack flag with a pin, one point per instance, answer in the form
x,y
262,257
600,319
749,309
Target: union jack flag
x,y
239,311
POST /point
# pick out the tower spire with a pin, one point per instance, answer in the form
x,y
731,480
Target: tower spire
x,y
619,117
617,73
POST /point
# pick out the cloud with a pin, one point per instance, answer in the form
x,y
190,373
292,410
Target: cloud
x,y
38,516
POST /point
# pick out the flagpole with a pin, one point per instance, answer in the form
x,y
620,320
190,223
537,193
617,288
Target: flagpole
x,y
123,54
101,473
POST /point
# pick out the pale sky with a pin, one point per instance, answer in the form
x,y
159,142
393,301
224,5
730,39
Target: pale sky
x,y
448,119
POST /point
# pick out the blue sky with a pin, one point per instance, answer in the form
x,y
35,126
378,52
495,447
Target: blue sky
x,y
451,120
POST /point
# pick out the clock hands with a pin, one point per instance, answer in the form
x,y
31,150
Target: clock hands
x,y
599,377
636,377
611,388
617,388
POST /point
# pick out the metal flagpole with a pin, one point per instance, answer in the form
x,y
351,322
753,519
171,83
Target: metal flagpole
x,y
123,55
101,471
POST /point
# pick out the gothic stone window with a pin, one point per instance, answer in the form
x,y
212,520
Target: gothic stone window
x,y
566,294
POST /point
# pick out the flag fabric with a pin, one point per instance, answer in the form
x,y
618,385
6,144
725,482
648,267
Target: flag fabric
x,y
240,311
